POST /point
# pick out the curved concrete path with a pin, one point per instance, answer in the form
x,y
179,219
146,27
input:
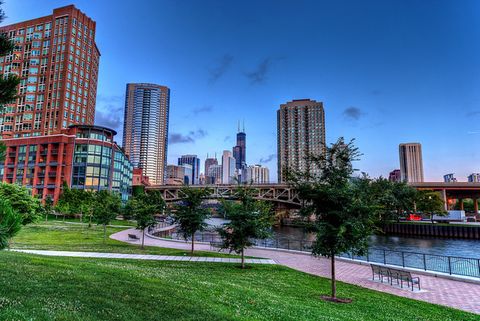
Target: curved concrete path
x,y
455,294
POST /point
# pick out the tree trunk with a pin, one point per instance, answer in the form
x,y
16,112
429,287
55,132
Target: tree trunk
x,y
193,244
90,221
104,233
243,259
46,217
334,285
143,238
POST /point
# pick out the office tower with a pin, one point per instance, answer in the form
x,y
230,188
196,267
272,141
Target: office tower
x,y
195,162
215,173
209,162
57,60
82,156
300,132
257,174
228,167
411,164
145,128
395,176
188,174
474,178
240,150
449,178
175,175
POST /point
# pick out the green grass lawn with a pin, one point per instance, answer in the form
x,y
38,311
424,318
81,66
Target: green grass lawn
x,y
51,288
60,218
65,236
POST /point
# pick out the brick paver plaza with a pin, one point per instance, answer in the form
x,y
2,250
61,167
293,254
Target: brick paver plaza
x,y
456,294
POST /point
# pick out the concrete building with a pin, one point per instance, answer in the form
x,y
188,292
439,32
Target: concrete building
x,y
474,178
139,179
411,163
194,161
175,175
84,157
188,174
215,173
57,60
145,128
209,162
449,178
300,132
257,174
228,167
395,176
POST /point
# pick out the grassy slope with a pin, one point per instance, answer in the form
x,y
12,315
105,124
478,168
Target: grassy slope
x,y
46,288
58,235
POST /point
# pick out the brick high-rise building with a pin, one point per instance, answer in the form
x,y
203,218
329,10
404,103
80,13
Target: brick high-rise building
x,y
57,60
395,176
145,129
300,132
411,163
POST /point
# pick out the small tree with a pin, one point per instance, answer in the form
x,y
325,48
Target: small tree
x,y
249,219
29,207
144,207
430,203
106,208
189,213
48,207
342,206
10,222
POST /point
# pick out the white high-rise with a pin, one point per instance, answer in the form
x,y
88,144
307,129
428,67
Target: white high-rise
x,y
411,163
228,167
257,174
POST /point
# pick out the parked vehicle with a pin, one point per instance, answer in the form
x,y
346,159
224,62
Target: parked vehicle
x,y
452,216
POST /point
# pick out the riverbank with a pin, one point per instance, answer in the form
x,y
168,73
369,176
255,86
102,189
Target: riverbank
x,y
434,230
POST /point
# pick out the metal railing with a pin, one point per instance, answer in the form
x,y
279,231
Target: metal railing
x,y
452,265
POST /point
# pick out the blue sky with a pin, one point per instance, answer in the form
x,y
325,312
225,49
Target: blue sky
x,y
387,71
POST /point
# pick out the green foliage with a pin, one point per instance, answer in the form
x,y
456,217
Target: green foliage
x,y
106,207
430,203
189,213
29,207
10,222
468,206
344,208
248,219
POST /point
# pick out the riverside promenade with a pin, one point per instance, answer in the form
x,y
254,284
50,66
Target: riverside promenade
x,y
456,294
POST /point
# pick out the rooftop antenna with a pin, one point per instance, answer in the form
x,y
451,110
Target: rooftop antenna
x,y
244,125
215,155
238,127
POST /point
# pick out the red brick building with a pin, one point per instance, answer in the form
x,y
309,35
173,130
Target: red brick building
x,y
57,60
85,157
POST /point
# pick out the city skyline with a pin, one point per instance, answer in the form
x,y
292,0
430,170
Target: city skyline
x,y
362,72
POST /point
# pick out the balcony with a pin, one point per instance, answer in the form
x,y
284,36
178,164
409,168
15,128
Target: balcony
x,y
9,175
52,174
44,152
53,163
12,154
41,174
54,152
51,186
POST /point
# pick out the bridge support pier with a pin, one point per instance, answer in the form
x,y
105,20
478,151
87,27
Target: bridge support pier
x,y
475,205
460,201
445,200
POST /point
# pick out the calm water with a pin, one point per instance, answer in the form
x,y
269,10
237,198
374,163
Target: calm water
x,y
440,246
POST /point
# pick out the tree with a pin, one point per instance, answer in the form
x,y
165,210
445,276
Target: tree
x,y
48,207
189,213
144,207
27,206
105,209
430,203
343,208
249,219
10,222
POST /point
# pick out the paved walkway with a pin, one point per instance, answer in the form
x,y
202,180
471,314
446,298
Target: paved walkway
x,y
456,294
145,257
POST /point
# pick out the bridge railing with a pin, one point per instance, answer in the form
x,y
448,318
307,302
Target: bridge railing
x,y
452,265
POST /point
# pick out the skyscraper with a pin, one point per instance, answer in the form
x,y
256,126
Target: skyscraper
x,y
228,167
240,150
300,132
195,162
57,60
257,174
208,163
411,164
145,128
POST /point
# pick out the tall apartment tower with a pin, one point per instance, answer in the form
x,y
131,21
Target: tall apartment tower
x,y
411,163
300,132
194,161
57,60
240,150
145,128
210,179
228,167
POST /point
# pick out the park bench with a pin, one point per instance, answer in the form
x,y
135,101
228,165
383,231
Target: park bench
x,y
400,276
133,237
